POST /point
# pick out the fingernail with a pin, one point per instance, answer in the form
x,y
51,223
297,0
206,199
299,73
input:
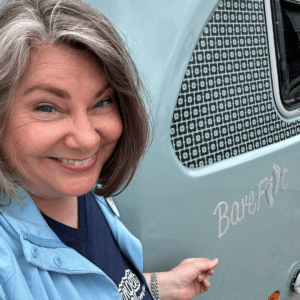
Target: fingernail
x,y
216,259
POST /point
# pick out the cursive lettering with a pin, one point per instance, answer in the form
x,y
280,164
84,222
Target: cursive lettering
x,y
270,189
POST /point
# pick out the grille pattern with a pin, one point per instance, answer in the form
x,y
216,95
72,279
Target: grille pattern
x,y
225,106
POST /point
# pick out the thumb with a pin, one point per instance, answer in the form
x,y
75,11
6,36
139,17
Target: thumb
x,y
208,265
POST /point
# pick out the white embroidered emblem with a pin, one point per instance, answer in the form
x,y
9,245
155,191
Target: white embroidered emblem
x,y
270,190
129,286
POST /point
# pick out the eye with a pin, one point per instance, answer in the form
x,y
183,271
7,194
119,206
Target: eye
x,y
45,108
103,103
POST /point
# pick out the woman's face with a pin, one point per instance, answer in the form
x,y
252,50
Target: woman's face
x,y
63,125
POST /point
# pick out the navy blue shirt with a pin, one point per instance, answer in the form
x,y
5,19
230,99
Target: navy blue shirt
x,y
94,241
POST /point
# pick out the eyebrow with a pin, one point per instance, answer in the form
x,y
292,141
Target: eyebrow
x,y
59,92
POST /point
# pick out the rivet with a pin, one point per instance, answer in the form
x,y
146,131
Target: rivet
x,y
34,251
58,261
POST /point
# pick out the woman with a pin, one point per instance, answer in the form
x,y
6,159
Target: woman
x,y
72,116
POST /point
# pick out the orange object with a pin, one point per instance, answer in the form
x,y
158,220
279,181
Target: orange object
x,y
275,296
290,96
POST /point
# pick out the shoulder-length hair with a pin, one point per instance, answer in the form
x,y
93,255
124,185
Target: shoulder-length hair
x,y
27,23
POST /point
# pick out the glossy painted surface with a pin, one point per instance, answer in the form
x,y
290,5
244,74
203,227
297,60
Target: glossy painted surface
x,y
169,207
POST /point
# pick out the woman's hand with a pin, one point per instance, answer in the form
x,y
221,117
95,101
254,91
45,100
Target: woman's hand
x,y
189,279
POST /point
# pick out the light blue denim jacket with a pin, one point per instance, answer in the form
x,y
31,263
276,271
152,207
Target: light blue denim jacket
x,y
35,264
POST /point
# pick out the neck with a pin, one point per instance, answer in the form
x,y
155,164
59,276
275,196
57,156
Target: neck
x,y
63,210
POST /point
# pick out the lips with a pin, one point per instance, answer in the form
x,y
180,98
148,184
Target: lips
x,y
75,162
77,165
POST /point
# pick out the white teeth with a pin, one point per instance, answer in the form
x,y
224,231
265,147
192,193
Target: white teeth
x,y
75,162
87,160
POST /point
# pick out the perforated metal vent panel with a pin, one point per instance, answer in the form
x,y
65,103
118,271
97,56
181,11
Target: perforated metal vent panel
x,y
225,106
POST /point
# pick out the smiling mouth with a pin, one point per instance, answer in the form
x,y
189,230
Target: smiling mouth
x,y
73,161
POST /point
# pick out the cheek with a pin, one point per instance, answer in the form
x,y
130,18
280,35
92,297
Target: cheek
x,y
20,140
13,147
111,129
117,130
14,152
118,127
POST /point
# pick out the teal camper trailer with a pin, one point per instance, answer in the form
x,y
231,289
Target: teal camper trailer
x,y
222,176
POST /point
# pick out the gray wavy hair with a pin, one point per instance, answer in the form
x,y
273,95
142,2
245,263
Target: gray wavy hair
x,y
73,23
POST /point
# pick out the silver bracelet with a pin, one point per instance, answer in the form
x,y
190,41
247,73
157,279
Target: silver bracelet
x,y
154,285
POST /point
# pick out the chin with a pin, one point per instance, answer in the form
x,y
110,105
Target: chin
x,y
79,190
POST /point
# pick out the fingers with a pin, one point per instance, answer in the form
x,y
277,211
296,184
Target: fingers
x,y
210,272
205,285
205,268
206,264
204,282
202,277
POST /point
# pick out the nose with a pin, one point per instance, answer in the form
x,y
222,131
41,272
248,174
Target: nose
x,y
82,134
